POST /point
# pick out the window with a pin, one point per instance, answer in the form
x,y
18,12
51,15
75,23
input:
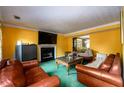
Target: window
x,y
85,41
81,43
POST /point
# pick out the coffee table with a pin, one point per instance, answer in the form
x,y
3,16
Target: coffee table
x,y
68,61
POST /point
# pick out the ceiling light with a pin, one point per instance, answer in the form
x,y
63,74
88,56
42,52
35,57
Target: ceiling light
x,y
17,17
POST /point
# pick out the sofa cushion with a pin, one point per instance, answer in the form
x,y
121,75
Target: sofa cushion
x,y
19,78
100,57
29,64
116,66
5,82
13,73
88,53
106,65
34,75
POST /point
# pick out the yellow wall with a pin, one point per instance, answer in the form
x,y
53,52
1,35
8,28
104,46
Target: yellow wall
x,y
92,30
105,39
70,43
64,44
106,42
12,35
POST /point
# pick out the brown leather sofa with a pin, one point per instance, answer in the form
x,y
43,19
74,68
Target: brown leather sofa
x,y
20,74
108,74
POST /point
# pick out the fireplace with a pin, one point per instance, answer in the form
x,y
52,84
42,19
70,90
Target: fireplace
x,y
47,54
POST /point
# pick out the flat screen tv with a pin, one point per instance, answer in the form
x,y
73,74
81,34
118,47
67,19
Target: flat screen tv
x,y
47,38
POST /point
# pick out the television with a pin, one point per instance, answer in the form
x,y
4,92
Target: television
x,y
26,52
47,38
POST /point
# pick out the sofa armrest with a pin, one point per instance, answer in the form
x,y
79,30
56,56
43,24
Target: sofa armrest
x,y
100,74
52,81
29,64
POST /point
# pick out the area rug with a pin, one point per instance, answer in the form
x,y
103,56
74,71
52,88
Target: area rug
x,y
66,80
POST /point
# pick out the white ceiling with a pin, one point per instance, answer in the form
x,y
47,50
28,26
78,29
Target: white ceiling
x,y
60,19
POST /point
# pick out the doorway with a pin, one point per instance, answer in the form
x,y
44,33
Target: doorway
x,y
81,43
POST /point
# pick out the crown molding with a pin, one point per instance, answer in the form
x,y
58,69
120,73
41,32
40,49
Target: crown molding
x,y
21,27
27,28
68,34
93,28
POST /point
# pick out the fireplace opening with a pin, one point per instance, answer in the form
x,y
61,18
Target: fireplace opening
x,y
47,54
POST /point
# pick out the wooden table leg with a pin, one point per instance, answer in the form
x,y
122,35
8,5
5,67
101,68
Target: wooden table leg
x,y
56,64
67,67
81,61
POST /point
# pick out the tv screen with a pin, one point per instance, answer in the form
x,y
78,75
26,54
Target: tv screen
x,y
30,50
26,52
47,38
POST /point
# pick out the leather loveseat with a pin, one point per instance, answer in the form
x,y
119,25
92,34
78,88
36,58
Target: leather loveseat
x,y
108,74
20,74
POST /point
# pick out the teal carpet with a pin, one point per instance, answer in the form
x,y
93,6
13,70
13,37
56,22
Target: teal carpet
x,y
66,80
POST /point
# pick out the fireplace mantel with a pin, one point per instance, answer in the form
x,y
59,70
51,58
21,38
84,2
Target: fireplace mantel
x,y
46,46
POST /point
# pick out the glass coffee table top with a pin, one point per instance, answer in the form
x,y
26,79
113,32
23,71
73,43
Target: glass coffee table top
x,y
69,59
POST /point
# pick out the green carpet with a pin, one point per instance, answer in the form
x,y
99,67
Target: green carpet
x,y
66,80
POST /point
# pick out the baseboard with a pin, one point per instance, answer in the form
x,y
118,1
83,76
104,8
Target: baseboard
x,y
60,56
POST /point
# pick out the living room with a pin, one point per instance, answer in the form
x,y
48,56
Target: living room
x,y
104,39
